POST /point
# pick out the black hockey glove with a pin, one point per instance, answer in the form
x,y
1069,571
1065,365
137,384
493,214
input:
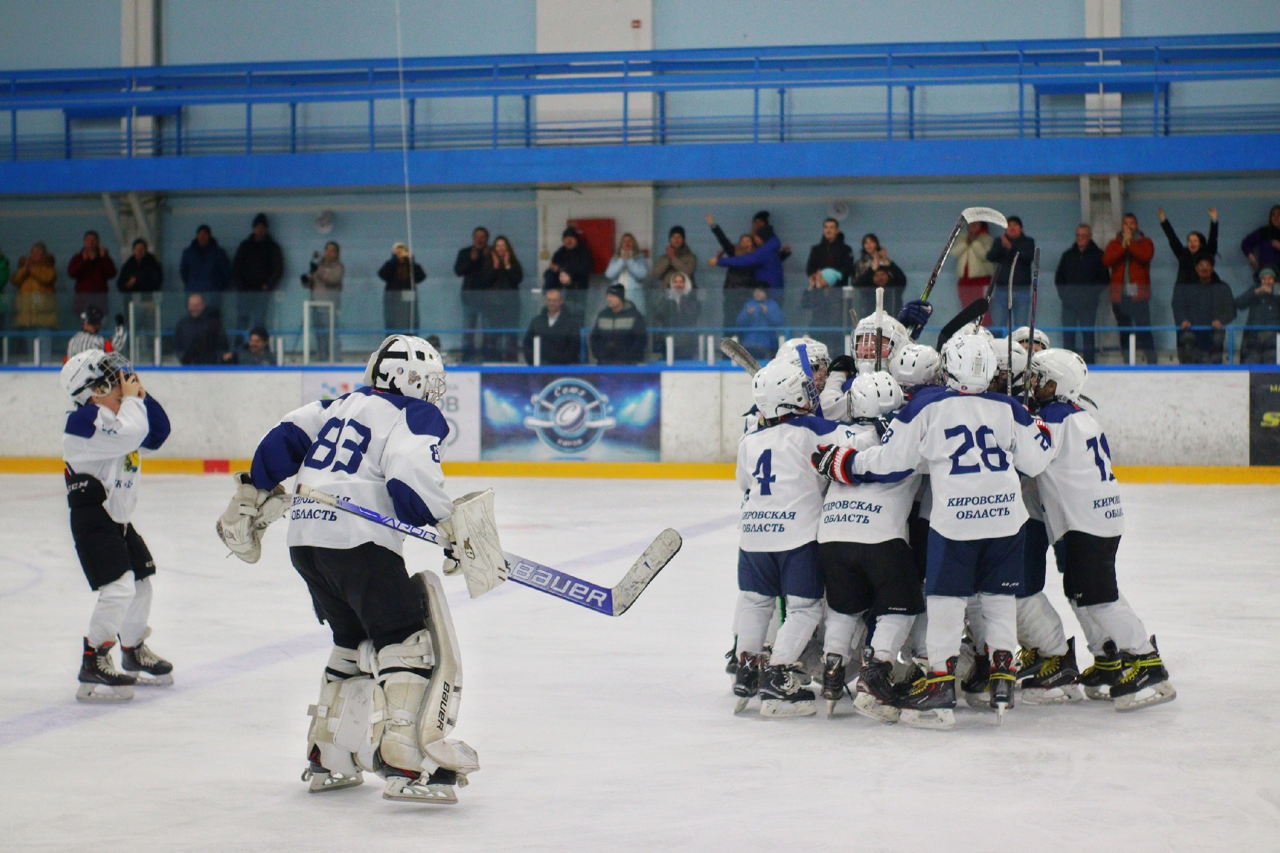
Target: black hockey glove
x,y
915,316
834,463
842,364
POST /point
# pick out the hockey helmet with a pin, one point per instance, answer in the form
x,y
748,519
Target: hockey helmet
x,y
969,363
895,337
819,355
1021,334
915,364
407,365
874,394
1066,369
1001,348
779,389
93,373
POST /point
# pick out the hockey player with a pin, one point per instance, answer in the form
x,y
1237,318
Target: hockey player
x,y
1085,520
867,566
973,443
114,419
778,549
389,694
1022,333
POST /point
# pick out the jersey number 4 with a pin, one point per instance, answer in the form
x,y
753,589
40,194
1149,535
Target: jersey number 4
x,y
336,438
992,455
764,472
1101,457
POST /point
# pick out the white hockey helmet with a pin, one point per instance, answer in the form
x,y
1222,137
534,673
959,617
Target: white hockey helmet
x,y
407,365
93,372
969,363
874,394
819,355
1001,348
915,364
1064,368
779,389
976,328
864,342
1021,334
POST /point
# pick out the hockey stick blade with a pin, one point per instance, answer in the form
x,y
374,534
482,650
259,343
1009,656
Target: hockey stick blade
x,y
985,214
738,354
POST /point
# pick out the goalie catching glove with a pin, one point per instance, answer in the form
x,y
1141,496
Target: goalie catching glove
x,y
249,514
834,463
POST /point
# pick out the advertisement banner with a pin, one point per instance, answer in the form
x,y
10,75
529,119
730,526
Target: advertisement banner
x,y
1264,418
600,417
460,406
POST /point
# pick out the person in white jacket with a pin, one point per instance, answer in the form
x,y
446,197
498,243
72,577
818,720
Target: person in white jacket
x,y
629,268
973,270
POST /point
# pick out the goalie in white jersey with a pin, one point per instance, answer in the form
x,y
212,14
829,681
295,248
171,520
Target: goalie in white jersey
x,y
391,688
973,444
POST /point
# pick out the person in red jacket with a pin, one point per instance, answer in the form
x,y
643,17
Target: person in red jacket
x,y
93,270
1128,256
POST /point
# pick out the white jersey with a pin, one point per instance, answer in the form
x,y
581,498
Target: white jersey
x,y
105,445
974,446
868,512
1078,489
783,491
378,450
835,406
1031,498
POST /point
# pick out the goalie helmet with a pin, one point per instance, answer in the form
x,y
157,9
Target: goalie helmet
x,y
915,364
779,390
864,342
407,365
874,394
1021,334
93,373
1064,368
969,363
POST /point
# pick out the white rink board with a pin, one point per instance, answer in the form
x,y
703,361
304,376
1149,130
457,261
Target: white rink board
x,y
617,734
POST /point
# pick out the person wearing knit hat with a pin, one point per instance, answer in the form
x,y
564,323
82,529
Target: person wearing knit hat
x,y
256,270
570,268
619,335
678,257
1263,305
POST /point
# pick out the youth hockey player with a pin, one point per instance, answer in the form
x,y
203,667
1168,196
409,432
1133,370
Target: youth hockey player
x,y
778,549
1085,519
973,443
390,692
1022,333
114,419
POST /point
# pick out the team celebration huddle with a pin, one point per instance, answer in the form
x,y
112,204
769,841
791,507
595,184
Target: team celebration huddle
x,y
899,506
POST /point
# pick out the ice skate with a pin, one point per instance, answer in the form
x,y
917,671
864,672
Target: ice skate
x,y
833,682
1145,683
731,658
747,681
100,681
876,694
782,695
434,789
976,687
145,665
323,780
1106,671
931,702
1000,685
1050,679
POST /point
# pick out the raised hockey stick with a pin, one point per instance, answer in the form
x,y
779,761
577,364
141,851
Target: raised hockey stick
x,y
738,354
1009,372
879,326
1031,323
969,214
611,601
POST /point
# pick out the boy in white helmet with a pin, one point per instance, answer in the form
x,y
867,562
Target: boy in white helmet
x,y
973,444
390,690
1085,520
115,418
1023,333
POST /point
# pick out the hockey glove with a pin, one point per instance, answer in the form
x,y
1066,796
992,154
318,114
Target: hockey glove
x,y
834,463
842,364
915,316
248,515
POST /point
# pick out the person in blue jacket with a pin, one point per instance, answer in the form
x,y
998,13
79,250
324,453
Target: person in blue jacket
x,y
765,261
758,317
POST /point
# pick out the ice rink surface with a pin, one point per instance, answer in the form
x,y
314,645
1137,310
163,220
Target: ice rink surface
x,y
603,734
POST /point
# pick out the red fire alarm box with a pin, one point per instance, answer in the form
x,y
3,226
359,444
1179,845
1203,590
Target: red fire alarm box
x,y
598,234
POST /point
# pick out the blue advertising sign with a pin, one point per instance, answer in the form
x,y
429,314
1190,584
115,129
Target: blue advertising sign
x,y
601,417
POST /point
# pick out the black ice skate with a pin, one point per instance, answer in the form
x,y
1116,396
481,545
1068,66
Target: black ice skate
x,y
145,665
976,688
1000,685
747,681
833,681
876,692
1145,682
782,694
431,789
1050,679
731,657
322,779
100,681
931,702
1106,671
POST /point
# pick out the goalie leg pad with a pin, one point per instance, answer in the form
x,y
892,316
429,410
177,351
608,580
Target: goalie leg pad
x,y
346,724
476,545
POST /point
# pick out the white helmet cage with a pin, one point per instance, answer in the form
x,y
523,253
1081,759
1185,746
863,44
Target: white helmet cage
x,y
407,365
1021,334
874,394
969,363
779,389
1063,367
916,364
864,342
93,373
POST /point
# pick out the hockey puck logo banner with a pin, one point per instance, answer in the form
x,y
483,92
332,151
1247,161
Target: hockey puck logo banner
x,y
1264,418
533,416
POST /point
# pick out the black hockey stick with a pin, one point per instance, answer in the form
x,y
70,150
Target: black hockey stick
x,y
972,312
1031,323
969,214
879,326
1009,377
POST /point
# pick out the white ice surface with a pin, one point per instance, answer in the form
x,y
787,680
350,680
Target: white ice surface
x,y
597,733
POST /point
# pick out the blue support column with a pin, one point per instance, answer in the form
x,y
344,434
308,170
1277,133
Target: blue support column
x,y
911,112
413,123
662,118
888,97
371,127
782,115
528,121
248,127
293,128
1021,96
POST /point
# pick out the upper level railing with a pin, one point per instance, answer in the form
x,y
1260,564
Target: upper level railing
x,y
1149,66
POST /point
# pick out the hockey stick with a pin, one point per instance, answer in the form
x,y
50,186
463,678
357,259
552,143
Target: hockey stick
x,y
969,214
1031,323
810,387
1009,372
879,326
611,601
738,354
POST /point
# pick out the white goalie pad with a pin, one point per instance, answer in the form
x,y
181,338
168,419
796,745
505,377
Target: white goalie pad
x,y
348,723
476,546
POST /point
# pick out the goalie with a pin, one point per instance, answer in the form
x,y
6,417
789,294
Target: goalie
x,y
391,689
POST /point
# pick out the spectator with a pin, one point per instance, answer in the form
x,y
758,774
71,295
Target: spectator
x,y
1081,278
677,258
325,283
678,309
1259,346
570,269
759,224
1197,246
619,335
738,281
1128,256
199,337
141,273
401,274
256,270
257,350
831,252
758,316
973,270
825,303
502,276
1013,242
205,268
764,261
470,265
36,305
1205,302
559,329
876,270
92,269
628,267
1262,247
